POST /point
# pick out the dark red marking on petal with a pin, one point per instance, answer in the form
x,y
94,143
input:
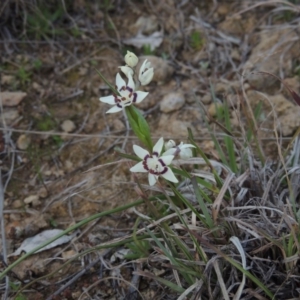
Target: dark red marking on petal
x,y
134,97
162,162
129,89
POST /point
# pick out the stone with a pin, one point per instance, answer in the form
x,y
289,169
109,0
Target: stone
x,y
68,126
33,200
23,142
7,79
206,99
9,116
294,84
43,193
287,114
12,98
172,126
172,102
267,57
17,204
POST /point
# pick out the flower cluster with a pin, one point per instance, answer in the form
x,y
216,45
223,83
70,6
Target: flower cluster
x,y
127,93
156,162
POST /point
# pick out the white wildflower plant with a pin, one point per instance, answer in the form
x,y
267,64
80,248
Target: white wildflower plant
x,y
155,160
153,163
127,95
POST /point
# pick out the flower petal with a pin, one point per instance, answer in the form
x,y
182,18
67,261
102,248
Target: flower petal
x,y
126,70
159,145
140,152
140,96
171,151
120,82
131,83
152,179
147,77
186,153
138,168
183,146
143,67
114,109
169,175
108,99
167,159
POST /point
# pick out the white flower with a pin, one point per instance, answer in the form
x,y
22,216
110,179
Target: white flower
x,y
131,59
128,95
127,71
146,73
183,150
154,164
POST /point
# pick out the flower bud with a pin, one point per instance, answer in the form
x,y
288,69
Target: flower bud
x,y
127,71
185,153
146,73
131,59
170,144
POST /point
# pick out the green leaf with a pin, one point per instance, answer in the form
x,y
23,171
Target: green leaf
x,y
139,126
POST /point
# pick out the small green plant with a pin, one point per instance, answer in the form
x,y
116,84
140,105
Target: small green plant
x,y
23,75
196,40
37,64
46,123
147,50
15,287
58,141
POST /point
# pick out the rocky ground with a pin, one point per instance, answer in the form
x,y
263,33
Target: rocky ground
x,y
55,130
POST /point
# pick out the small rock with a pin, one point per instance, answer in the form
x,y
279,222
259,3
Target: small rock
x,y
162,70
7,79
33,200
212,110
221,88
272,45
172,102
235,54
36,86
9,115
23,142
68,126
12,98
206,99
294,84
83,71
178,128
17,204
43,193
69,165
68,254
